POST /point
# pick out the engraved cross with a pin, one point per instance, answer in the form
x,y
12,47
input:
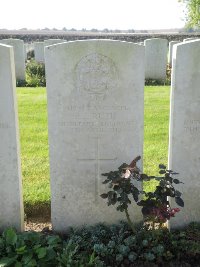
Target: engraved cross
x,y
97,160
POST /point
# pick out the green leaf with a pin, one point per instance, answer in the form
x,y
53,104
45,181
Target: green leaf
x,y
18,264
141,203
53,240
21,250
106,181
176,181
105,174
145,243
116,187
104,195
179,201
92,259
32,263
27,257
160,249
144,177
158,178
169,179
51,254
10,236
132,256
41,252
149,256
135,194
121,208
7,261
170,192
177,193
162,166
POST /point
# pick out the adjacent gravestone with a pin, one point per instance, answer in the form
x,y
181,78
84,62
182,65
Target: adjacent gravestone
x,y
190,39
184,147
53,41
171,45
95,116
39,51
19,55
140,43
28,47
156,50
11,205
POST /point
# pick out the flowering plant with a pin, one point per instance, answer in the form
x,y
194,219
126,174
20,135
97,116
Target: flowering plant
x,y
155,205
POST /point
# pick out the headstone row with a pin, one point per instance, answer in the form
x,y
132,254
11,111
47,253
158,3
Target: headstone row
x,y
78,97
19,56
95,121
39,48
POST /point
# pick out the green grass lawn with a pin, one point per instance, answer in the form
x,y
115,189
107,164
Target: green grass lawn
x,y
32,109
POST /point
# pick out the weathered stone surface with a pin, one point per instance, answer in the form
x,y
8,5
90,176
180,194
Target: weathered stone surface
x,y
155,58
190,39
39,51
53,41
95,116
19,56
184,148
11,205
171,45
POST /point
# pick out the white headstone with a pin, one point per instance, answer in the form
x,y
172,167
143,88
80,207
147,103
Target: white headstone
x,y
39,51
53,41
140,43
19,55
11,204
171,45
190,39
184,147
156,50
95,115
27,48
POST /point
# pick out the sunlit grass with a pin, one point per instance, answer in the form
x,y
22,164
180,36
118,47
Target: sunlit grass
x,y
32,109
156,128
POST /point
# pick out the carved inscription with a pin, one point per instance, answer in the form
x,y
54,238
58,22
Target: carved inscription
x,y
95,107
95,119
96,74
192,126
98,127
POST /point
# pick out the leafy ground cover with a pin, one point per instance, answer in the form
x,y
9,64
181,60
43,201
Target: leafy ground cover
x,y
102,246
32,108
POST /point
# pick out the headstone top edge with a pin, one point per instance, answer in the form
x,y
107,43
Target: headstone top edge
x,y
155,39
90,41
6,46
188,42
